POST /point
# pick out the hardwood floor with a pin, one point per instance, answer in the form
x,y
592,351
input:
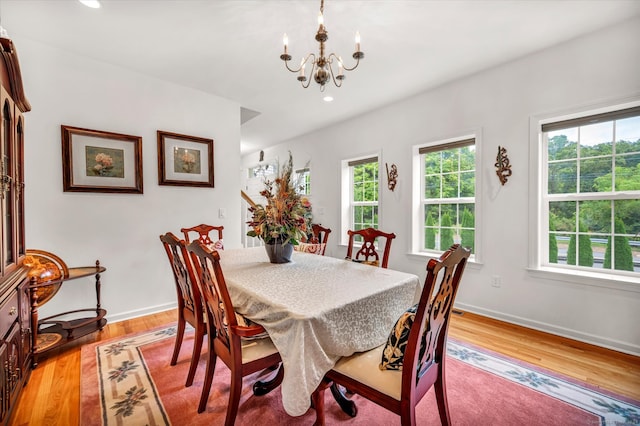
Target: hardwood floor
x,y
53,393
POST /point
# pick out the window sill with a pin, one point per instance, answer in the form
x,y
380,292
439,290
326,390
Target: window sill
x,y
624,283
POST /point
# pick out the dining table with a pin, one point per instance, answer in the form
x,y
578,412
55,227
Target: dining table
x,y
316,309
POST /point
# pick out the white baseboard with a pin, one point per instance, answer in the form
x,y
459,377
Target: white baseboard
x,y
141,312
626,347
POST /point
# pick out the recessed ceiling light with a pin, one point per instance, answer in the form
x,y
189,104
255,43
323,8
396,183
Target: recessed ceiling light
x,y
327,98
94,4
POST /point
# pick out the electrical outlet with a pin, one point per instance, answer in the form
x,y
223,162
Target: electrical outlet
x,y
496,281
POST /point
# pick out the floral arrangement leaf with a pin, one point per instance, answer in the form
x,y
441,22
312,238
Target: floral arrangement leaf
x,y
286,216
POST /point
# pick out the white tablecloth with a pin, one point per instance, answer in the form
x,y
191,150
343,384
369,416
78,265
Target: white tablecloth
x,y
316,309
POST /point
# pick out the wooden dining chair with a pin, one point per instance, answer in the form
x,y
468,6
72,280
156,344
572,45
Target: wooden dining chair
x,y
228,340
190,303
368,253
399,373
320,235
203,232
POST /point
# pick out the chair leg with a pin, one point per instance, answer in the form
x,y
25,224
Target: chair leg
x,y
234,396
440,389
178,342
208,377
317,400
195,355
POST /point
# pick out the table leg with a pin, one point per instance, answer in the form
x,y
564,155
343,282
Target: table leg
x,y
347,405
263,387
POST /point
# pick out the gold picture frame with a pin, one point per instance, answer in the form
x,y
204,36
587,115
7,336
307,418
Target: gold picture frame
x,y
99,161
184,160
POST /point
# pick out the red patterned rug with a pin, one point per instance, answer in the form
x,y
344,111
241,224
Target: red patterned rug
x,y
129,381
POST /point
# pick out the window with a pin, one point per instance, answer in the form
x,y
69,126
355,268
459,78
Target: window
x,y
303,181
360,194
590,193
262,170
447,173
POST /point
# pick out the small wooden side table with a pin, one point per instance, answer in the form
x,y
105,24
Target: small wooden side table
x,y
59,329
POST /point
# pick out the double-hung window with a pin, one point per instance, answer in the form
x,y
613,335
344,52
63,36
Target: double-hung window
x,y
303,181
447,201
360,194
590,193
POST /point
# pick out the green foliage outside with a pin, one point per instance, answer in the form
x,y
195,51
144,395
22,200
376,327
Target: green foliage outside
x,y
585,251
365,190
450,173
596,175
623,255
587,166
365,182
446,233
430,233
553,242
467,234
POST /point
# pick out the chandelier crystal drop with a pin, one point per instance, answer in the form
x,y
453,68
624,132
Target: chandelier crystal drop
x,y
322,69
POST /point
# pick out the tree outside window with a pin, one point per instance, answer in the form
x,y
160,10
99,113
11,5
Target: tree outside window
x,y
449,180
592,192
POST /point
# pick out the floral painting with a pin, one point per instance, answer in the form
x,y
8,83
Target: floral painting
x,y
104,162
186,161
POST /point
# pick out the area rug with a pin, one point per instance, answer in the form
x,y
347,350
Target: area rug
x,y
129,381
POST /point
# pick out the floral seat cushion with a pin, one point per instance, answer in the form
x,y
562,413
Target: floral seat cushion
x,y
309,248
217,245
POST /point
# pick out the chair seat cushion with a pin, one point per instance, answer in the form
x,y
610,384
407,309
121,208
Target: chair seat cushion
x,y
257,348
216,245
363,367
309,248
246,322
393,353
366,262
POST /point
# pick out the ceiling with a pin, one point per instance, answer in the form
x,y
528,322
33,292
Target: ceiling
x,y
231,48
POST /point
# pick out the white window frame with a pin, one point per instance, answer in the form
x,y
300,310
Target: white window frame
x,y
539,219
418,190
300,174
346,216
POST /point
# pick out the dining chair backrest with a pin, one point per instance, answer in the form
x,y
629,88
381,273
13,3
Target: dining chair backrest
x,y
320,235
190,303
224,332
423,360
431,323
368,253
189,296
203,232
211,282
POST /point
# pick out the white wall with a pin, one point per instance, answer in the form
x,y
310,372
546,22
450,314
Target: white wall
x,y
121,230
499,103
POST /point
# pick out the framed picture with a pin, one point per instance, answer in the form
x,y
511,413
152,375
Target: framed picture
x,y
97,161
184,160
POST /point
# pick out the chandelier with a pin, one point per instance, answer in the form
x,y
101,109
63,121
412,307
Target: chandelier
x,y
321,65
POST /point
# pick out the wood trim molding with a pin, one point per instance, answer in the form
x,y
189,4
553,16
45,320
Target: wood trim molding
x,y
10,56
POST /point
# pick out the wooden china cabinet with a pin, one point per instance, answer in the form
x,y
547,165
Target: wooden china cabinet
x,y
15,310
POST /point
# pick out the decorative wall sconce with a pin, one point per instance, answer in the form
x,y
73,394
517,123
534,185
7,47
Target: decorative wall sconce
x,y
392,176
503,167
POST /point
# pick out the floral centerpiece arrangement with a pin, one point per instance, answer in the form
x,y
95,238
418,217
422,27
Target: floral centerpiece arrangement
x,y
286,216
